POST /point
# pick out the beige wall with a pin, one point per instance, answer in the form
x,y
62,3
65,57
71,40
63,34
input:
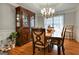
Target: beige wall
x,y
40,21
70,19
77,25
7,20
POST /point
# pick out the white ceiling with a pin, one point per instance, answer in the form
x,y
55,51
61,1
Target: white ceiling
x,y
36,7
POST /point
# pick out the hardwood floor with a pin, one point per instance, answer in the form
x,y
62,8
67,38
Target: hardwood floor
x,y
71,48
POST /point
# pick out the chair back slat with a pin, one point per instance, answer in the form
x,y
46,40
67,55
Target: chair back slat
x,y
38,35
63,35
69,28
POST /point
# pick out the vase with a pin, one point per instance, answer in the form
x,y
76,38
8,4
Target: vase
x,y
13,42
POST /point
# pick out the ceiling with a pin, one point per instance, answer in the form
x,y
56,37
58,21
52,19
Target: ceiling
x,y
36,7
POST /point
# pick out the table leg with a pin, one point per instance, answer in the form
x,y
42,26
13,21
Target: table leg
x,y
49,47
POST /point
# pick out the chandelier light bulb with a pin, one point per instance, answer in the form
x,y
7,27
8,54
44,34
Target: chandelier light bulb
x,y
53,10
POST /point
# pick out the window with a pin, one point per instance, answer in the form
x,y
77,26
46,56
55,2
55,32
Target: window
x,y
47,22
56,22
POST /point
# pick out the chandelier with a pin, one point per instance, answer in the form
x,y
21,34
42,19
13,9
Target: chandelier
x,y
47,12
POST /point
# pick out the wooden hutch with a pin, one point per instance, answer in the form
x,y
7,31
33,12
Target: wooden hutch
x,y
25,19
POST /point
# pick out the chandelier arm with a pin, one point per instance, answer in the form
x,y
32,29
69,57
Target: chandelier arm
x,y
47,12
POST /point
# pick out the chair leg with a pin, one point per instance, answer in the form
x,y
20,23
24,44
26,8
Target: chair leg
x,y
69,36
59,52
52,45
63,50
44,51
49,48
72,35
33,50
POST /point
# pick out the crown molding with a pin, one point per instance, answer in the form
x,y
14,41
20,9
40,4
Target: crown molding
x,y
67,11
14,4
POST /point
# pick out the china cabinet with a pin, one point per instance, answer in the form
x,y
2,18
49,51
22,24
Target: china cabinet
x,y
25,19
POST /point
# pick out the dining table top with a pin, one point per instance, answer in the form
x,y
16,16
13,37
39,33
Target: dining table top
x,y
56,34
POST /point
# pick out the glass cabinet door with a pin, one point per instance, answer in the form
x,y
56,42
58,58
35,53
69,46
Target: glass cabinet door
x,y
18,20
25,21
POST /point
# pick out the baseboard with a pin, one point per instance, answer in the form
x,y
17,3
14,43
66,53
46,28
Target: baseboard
x,y
69,39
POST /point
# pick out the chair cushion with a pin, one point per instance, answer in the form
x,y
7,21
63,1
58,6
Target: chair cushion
x,y
69,31
56,42
41,46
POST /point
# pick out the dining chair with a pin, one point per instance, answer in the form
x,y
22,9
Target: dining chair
x,y
59,42
39,40
69,30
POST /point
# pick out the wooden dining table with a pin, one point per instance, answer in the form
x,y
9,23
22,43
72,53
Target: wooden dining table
x,y
54,36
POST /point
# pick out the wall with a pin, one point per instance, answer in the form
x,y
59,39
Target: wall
x,y
36,20
69,19
77,24
7,20
40,21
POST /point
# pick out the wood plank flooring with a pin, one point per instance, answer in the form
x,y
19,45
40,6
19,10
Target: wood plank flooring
x,y
71,48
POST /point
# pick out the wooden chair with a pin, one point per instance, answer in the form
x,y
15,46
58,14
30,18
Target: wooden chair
x,y
39,40
59,42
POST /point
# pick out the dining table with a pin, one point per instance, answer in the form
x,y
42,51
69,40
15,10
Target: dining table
x,y
51,36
